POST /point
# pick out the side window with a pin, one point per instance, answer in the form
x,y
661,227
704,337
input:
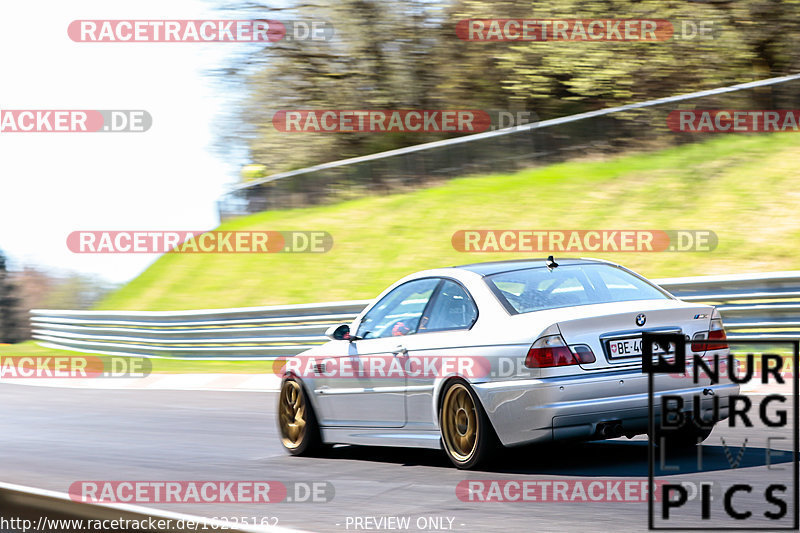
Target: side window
x,y
398,313
452,308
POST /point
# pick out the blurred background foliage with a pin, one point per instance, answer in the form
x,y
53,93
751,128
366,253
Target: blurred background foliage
x,y
406,54
27,287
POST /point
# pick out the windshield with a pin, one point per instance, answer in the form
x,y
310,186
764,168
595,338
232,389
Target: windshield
x,y
536,289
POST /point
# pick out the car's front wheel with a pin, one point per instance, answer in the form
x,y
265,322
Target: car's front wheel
x,y
298,426
467,435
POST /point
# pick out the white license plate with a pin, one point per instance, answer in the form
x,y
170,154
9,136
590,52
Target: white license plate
x,y
631,348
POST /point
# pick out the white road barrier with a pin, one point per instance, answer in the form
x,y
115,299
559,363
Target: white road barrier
x,y
753,306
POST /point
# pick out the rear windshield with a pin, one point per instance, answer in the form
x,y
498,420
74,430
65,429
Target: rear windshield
x,y
536,289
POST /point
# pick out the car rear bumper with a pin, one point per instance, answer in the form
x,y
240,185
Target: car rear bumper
x,y
534,410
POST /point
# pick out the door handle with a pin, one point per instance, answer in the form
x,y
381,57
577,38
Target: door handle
x,y
400,350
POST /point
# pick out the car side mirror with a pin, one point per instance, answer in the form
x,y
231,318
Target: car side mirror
x,y
339,333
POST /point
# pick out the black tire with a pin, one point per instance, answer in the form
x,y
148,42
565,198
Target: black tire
x,y
468,438
297,422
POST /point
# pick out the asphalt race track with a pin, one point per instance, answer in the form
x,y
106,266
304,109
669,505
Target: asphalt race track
x,y
52,437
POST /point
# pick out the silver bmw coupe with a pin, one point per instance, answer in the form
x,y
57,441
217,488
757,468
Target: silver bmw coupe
x,y
471,358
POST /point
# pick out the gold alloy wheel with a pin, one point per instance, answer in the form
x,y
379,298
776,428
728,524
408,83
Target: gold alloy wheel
x,y
459,423
292,414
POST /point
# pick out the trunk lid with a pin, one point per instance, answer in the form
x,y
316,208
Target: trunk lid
x,y
614,335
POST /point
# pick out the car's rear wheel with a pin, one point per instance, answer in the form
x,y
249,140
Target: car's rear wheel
x,y
298,426
467,435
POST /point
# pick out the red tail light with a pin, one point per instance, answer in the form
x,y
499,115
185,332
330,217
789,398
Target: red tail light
x,y
552,351
713,336
717,335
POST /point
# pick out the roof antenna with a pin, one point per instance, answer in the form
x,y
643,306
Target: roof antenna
x,y
551,263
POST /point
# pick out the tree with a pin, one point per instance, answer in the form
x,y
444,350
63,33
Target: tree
x,y
10,324
406,54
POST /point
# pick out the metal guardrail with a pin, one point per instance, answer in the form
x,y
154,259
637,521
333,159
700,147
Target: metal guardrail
x,y
752,305
30,509
243,333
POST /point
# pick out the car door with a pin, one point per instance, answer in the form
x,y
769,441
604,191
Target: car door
x,y
370,389
443,340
